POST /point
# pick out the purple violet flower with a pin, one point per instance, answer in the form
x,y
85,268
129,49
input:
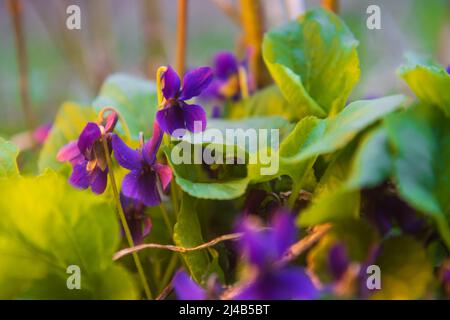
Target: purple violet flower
x,y
87,155
264,248
225,85
142,183
176,113
448,69
138,222
338,260
339,264
186,288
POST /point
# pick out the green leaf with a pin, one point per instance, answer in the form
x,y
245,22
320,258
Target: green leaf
x,y
429,81
68,124
421,140
271,102
358,237
307,132
8,155
406,275
221,181
52,227
188,234
372,162
341,129
331,200
134,98
337,196
223,190
314,62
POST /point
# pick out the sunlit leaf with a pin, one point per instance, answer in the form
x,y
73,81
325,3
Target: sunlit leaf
x,y
8,155
314,62
428,80
47,226
406,275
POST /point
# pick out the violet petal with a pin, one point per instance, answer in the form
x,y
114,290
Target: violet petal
x,y
126,157
195,81
88,136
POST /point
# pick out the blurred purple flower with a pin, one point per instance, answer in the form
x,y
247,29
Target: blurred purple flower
x,y
186,288
264,248
338,260
177,114
141,184
87,155
287,283
216,112
40,134
339,263
386,211
138,222
225,85
448,69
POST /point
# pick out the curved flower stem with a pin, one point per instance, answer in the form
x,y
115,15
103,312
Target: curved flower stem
x,y
159,74
243,82
121,119
137,261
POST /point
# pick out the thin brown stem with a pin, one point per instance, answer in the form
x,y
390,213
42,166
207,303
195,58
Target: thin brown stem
x,y
124,252
305,243
252,21
181,36
229,9
165,292
332,5
153,29
67,41
15,7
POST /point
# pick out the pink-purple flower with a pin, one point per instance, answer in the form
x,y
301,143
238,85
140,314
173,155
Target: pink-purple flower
x,y
87,155
41,133
147,175
177,113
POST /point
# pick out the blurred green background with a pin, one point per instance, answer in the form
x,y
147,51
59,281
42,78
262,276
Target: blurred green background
x,y
135,36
